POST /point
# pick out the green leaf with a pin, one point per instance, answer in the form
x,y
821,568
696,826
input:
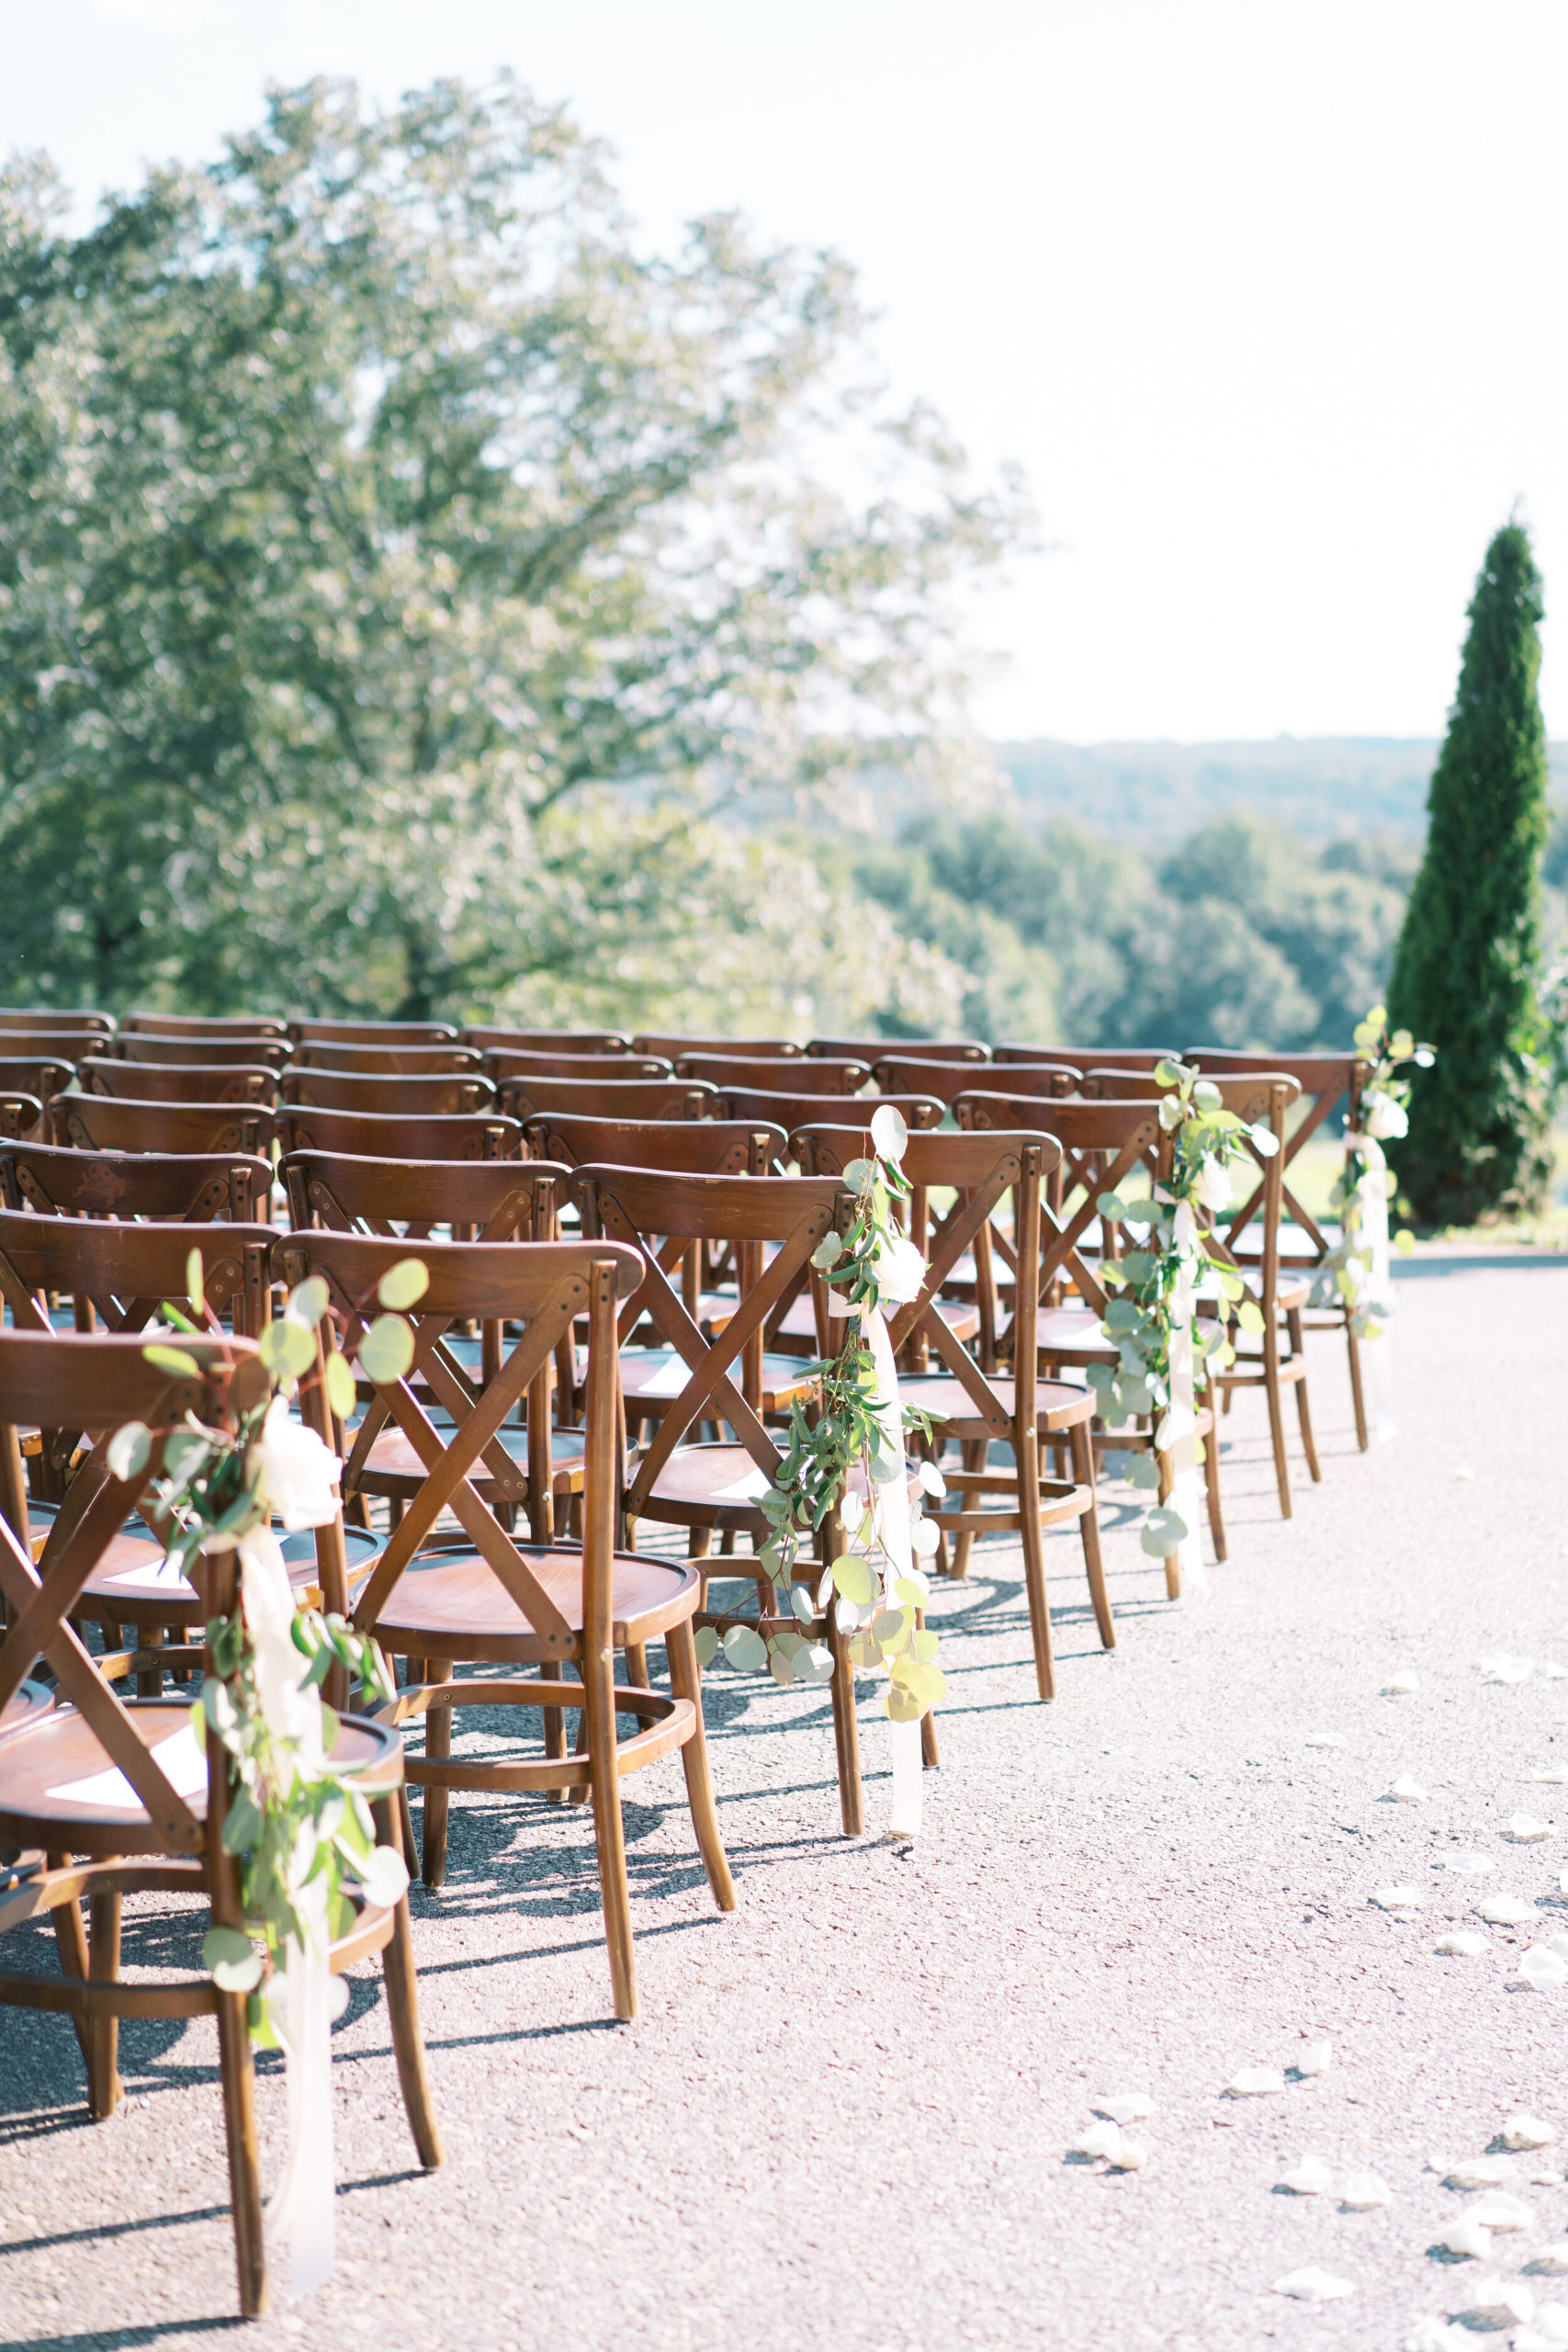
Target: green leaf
x,y
309,1302
856,1171
231,1959
195,1284
173,1360
342,1392
403,1284
1249,1316
854,1576
745,1649
387,1350
129,1451
184,1451
287,1350
829,1250
1111,1207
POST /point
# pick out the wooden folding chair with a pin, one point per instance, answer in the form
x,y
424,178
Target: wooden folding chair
x,y
20,1115
1326,1080
1144,1059
385,1061
504,1062
485,1598
606,1098
548,1041
36,1017
204,1025
897,1074
979,1409
924,1049
375,1033
55,1180
756,1048
164,1083
393,1135
100,1123
695,1146
40,1076
71,1046
115,1791
792,1111
211,1052
799,1075
334,1089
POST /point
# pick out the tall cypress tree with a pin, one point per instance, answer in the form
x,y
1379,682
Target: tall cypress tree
x,y
1467,965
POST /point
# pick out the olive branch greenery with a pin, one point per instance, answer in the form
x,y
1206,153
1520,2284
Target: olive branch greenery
x,y
1206,1139
876,1601
292,1819
1345,1276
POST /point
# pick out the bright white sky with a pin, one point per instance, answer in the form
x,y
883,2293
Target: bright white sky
x,y
1268,297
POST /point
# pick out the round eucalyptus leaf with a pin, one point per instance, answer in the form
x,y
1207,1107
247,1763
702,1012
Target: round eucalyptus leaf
x,y
403,1284
129,1451
309,1302
342,1393
387,1350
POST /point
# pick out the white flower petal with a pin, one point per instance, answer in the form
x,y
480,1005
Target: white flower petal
x,y
1468,1864
1124,2107
1464,1945
1311,2177
1407,1792
1468,2236
1254,2082
1324,1739
1543,1969
1498,2303
1505,1911
1399,1686
1317,2057
1130,2157
1498,2211
1364,2191
1522,2131
1478,2172
1505,1669
1100,2140
1397,1898
1313,2286
1524,1829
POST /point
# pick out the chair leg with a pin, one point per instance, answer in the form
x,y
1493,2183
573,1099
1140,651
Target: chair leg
x,y
1080,1451
71,1938
1357,1396
437,1802
685,1681
105,2089
1276,1418
609,1830
555,1734
402,2005
240,2129
846,1731
973,1452
1303,1411
1172,1560
1034,1561
1212,1484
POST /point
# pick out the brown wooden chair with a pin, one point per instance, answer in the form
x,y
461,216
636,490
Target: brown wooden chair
x,y
501,1062
756,1048
896,1075
20,1115
102,1122
487,1598
35,1017
206,1025
696,1146
72,1046
799,1076
136,1045
1083,1056
40,1075
1326,1081
386,1061
375,1033
924,1049
792,1111
606,1098
1101,1146
163,1832
162,1082
336,1090
724,1376
55,1180
548,1041
979,1410
390,1135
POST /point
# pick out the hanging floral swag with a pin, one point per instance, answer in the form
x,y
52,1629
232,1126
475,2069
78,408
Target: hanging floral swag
x,y
1164,1354
848,1450
300,1829
1353,1274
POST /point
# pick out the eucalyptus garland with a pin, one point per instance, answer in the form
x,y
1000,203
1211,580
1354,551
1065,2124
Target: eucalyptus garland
x,y
1206,1140
875,1600
1348,1275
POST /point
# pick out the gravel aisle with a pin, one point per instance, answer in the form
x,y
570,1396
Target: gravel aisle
x,y
843,2115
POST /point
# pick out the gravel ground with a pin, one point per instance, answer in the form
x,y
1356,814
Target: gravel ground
x,y
844,2114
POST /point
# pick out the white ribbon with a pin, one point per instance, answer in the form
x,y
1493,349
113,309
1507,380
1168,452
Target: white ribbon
x,y
1176,1435
1374,1291
300,2214
892,1503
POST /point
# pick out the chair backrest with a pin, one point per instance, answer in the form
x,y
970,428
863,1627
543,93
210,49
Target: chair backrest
x,y
661,1216
20,1114
35,1017
136,1045
128,1270
1325,1080
44,1075
393,1135
792,1111
71,1046
103,1122
206,1025
1101,1144
697,1147
376,1033
921,1049
1086,1057
543,1286
896,1074
385,1061
548,1041
504,1061
606,1098
96,1385
486,1200
337,1090
752,1048
802,1076
190,1189
166,1082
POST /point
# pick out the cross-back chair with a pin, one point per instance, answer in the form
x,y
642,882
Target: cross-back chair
x,y
792,1111
394,1134
20,1114
897,1074
205,1024
185,1188
977,1409
41,1076
923,1049
608,1098
72,1046
375,1033
174,1082
1326,1080
755,1048
484,1597
211,1052
697,1147
385,1061
103,1122
800,1074
117,1792
35,1017
1140,1057
502,1062
547,1041
336,1090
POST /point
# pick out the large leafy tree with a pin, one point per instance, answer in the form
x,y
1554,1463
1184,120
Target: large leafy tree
x,y
394,563
1466,972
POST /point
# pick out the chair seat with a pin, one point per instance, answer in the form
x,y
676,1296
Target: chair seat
x,y
59,1788
1073,1330
451,1603
133,1585
961,1316
651,1379
1058,1405
392,1456
30,1699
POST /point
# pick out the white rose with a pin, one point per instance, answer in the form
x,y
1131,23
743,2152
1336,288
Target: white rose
x,y
1212,1189
295,1473
1386,1118
897,1270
